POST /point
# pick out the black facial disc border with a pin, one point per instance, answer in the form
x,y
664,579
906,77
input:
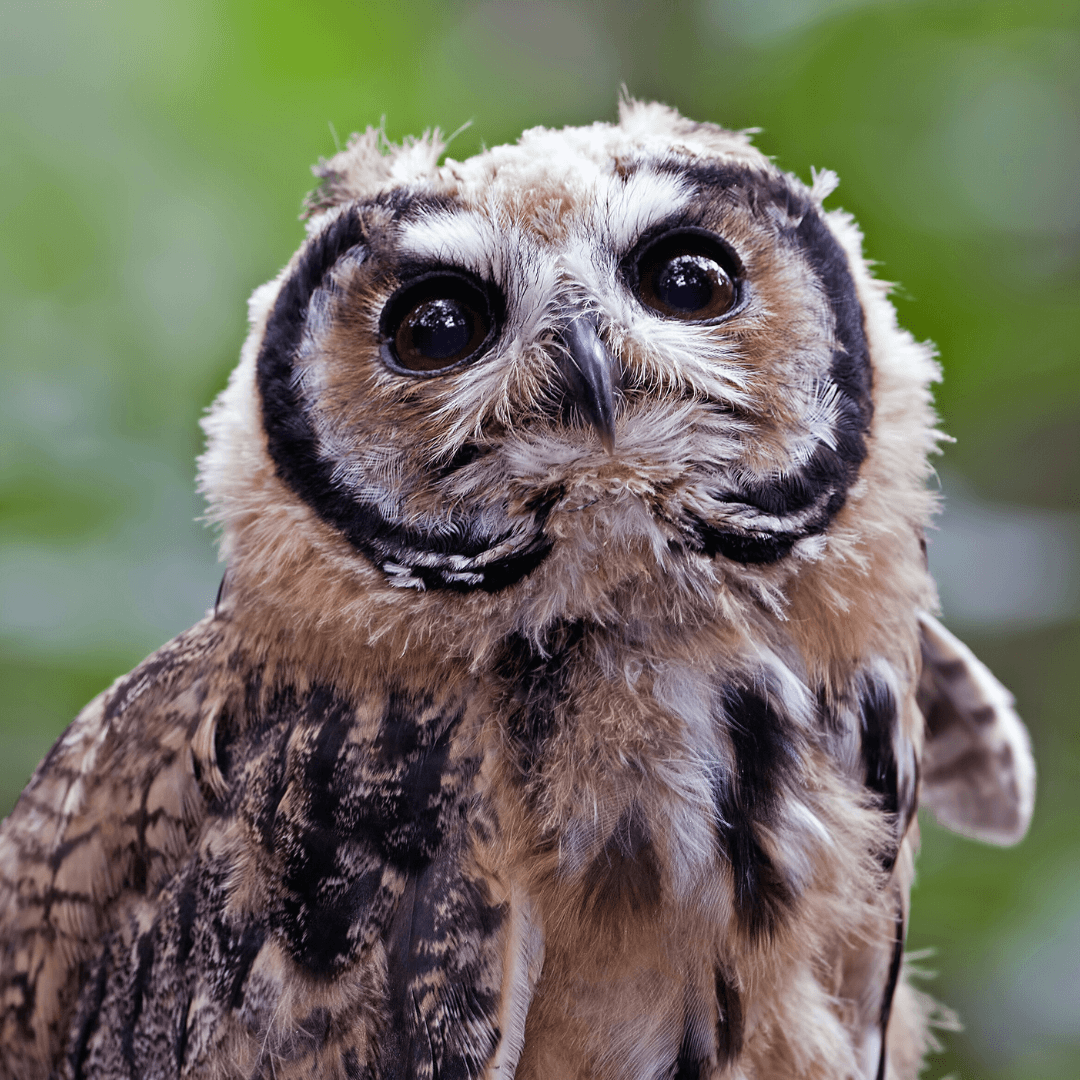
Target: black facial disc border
x,y
822,483
293,446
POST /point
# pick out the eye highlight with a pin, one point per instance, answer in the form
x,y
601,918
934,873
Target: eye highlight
x,y
688,274
436,322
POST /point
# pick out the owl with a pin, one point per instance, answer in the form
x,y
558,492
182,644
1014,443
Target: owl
x,y
573,681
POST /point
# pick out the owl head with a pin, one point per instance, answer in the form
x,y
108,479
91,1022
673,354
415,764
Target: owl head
x,y
622,371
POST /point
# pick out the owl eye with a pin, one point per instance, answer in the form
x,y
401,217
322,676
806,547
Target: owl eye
x,y
436,322
687,275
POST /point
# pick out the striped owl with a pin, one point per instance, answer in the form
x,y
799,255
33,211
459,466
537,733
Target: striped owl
x,y
573,681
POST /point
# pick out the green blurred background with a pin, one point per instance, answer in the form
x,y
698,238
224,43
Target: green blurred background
x,y
154,159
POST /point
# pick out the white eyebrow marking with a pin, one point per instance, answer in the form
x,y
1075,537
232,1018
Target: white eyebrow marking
x,y
616,211
630,207
462,238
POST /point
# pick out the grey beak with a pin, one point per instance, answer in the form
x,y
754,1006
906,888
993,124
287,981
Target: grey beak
x,y
589,371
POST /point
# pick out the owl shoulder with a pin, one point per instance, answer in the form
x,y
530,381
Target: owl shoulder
x,y
114,807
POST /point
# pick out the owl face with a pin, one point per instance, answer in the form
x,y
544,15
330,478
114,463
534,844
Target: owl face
x,y
620,358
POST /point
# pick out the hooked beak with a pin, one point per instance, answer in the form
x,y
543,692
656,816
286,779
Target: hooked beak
x,y
589,372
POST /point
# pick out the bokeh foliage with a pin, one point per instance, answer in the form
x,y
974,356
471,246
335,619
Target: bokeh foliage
x,y
155,155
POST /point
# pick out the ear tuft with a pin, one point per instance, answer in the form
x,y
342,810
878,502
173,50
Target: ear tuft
x,y
978,771
371,163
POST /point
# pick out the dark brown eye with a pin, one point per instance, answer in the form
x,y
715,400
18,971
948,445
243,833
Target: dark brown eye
x,y
687,275
436,322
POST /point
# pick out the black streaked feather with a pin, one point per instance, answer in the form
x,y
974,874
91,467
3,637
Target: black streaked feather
x,y
729,1022
88,1015
764,761
878,720
144,951
889,993
437,971
535,685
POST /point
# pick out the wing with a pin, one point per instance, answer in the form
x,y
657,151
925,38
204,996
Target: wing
x,y
977,776
253,874
978,771
113,808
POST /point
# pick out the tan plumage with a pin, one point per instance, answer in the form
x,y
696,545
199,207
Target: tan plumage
x,y
562,712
